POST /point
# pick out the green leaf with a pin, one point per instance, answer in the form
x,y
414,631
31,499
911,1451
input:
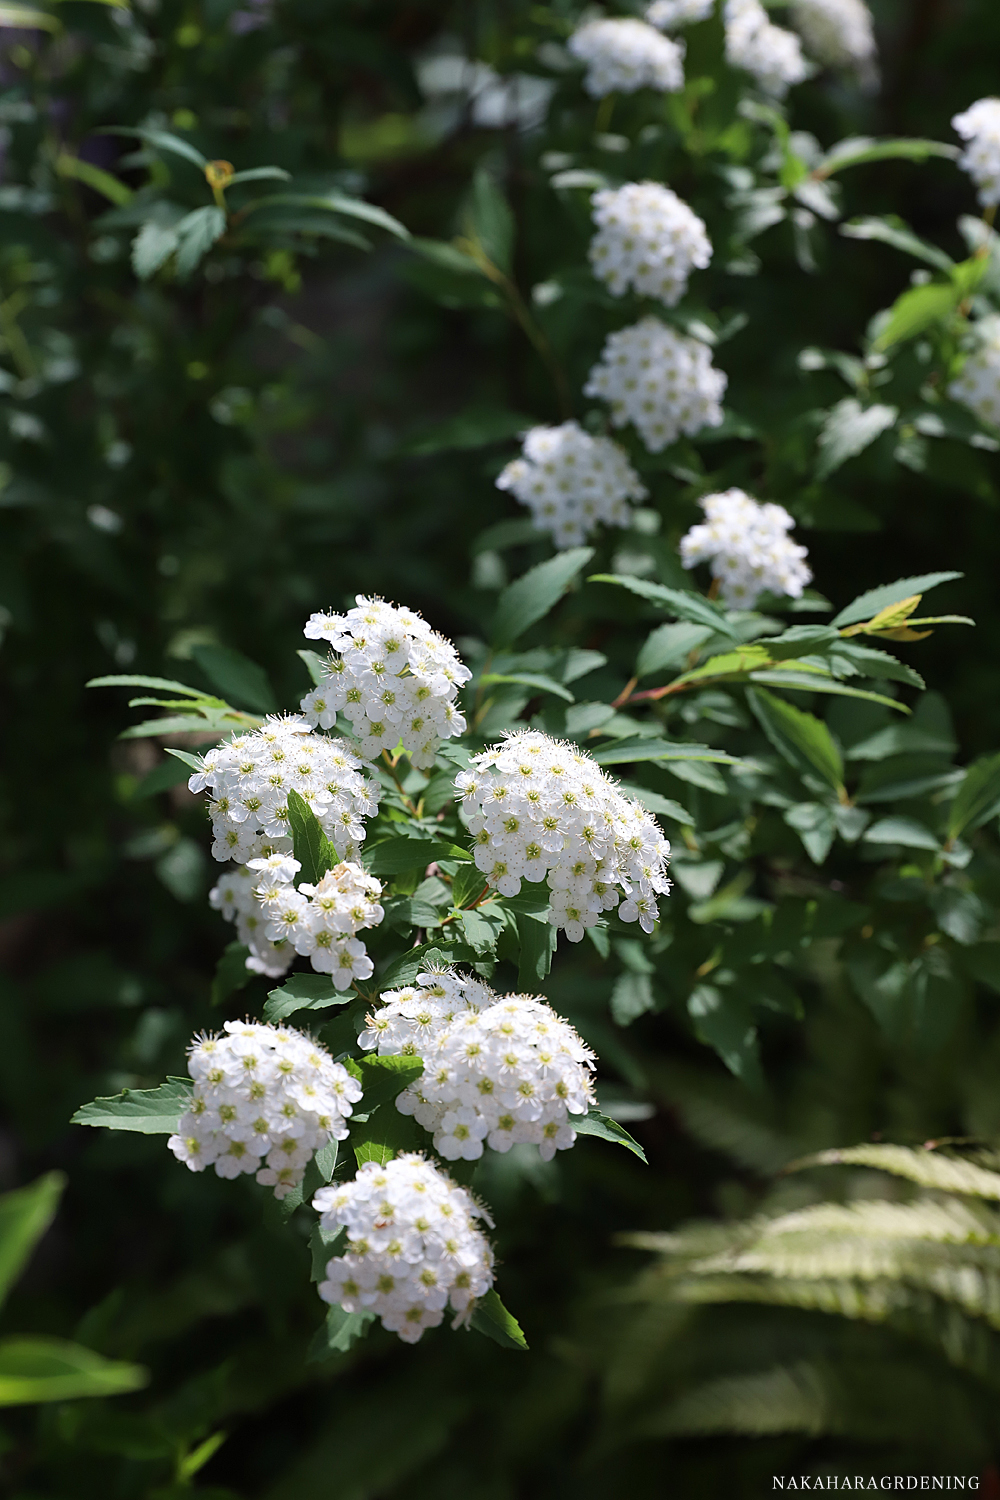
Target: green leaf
x,y
482,927
537,939
803,740
866,606
160,140
386,1134
665,806
27,18
335,203
724,1020
916,309
860,149
814,682
906,832
259,174
44,1369
529,598
977,796
152,247
25,1215
670,646
313,849
338,1332
240,680
304,992
127,680
631,997
150,1111
196,233
476,428
685,606
404,970
493,1319
314,665
532,680
382,1078
231,972
491,221
815,825
395,856
68,165
848,430
643,747
594,1123
892,230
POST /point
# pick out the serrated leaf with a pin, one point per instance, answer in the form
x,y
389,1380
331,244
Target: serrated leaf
x,y
916,309
395,856
404,970
931,1169
685,606
231,972
493,1319
149,1111
802,739
304,992
868,605
47,1369
595,1123
529,598
977,796
312,848
240,680
642,747
631,997
848,430
196,233
386,1134
152,247
670,646
25,1215
382,1078
339,1331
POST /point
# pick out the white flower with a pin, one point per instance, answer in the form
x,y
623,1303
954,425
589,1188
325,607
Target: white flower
x,y
234,895
666,15
980,126
748,547
249,778
838,33
538,807
413,1246
623,56
497,1071
571,482
771,54
660,380
977,385
393,676
265,1099
647,239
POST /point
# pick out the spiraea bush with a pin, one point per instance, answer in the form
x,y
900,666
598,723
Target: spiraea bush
x,y
495,502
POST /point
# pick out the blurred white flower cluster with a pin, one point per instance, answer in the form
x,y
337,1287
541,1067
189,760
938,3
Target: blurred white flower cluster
x,y
661,381
249,778
977,385
413,1246
538,807
572,482
647,239
667,15
748,547
625,55
265,1099
770,53
838,33
393,676
497,1071
979,125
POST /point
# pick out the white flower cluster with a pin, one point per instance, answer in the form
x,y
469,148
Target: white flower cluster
x,y
393,676
980,126
838,33
647,239
755,44
667,15
538,807
623,56
234,895
571,482
977,385
660,380
499,1071
265,1099
249,779
748,547
413,1246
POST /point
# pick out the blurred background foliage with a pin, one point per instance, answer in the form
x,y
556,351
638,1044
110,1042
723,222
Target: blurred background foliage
x,y
319,409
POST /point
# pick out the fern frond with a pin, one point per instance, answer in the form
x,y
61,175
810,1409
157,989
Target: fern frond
x,y
726,1119
931,1169
794,1399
